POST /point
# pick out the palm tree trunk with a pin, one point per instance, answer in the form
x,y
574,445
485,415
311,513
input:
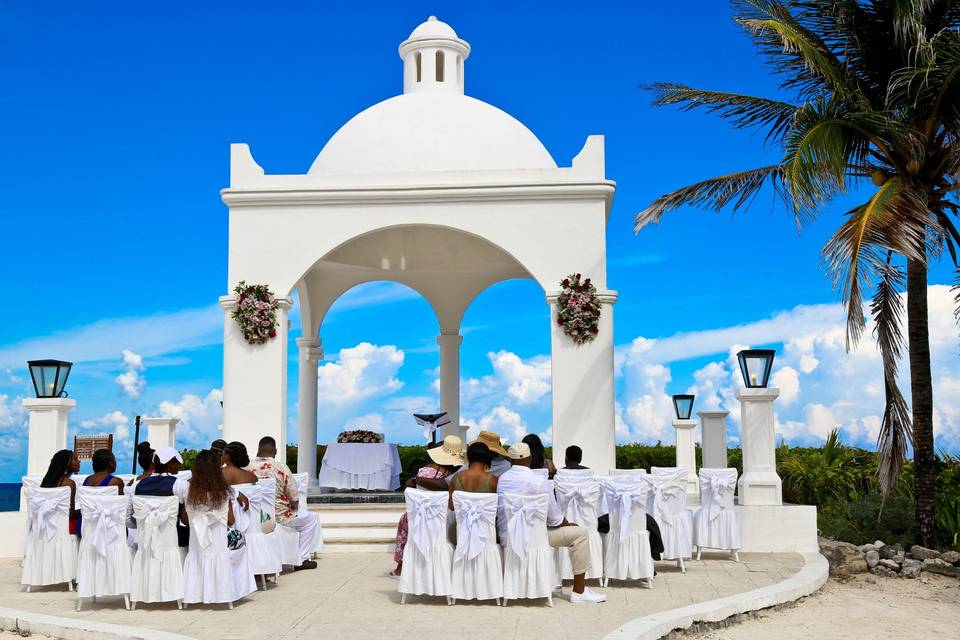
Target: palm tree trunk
x,y
921,388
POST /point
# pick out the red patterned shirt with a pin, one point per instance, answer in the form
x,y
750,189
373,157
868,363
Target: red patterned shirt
x,y
287,492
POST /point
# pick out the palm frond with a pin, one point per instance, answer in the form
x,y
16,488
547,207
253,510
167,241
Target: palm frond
x,y
799,54
930,89
742,111
735,190
856,254
887,311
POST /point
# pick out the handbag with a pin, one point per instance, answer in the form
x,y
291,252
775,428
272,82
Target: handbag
x,y
235,539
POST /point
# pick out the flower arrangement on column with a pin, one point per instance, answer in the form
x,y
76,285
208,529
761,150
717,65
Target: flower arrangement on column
x,y
578,309
256,312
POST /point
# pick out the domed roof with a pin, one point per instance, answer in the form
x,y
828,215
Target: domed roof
x,y
431,131
433,28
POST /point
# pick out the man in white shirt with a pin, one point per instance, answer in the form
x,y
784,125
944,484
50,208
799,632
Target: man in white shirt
x,y
520,479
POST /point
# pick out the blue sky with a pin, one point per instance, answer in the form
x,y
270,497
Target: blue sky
x,y
116,120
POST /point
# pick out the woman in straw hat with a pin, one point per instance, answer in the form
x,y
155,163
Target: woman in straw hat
x,y
445,459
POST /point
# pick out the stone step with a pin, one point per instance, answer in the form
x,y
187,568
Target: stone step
x,y
359,534
359,547
359,518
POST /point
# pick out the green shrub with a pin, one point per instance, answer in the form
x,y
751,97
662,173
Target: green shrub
x,y
859,519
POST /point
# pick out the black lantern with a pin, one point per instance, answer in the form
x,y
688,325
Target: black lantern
x,y
49,377
755,366
683,405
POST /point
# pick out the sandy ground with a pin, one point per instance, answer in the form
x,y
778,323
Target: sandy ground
x,y
864,607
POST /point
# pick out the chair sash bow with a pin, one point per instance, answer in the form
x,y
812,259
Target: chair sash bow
x,y
151,516
523,517
104,522
625,499
45,510
204,523
426,523
474,529
719,487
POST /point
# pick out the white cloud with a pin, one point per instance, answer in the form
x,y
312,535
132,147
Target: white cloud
x,y
117,423
370,422
12,412
200,418
131,381
358,373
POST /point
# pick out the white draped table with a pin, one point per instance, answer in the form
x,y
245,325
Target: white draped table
x,y
370,466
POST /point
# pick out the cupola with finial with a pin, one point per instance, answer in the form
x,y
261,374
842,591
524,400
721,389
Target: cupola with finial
x,y
433,58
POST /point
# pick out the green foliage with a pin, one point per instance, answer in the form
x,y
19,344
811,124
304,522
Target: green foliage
x,y
859,519
820,475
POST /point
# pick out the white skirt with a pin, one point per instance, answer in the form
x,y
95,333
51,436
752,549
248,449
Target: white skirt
x,y
480,578
532,576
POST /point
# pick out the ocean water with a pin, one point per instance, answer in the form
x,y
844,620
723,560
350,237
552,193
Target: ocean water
x,y
9,496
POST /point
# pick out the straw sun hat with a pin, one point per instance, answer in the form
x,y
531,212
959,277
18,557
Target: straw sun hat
x,y
450,453
492,440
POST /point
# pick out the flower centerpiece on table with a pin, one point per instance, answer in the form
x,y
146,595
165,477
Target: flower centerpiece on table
x,y
578,309
361,436
256,312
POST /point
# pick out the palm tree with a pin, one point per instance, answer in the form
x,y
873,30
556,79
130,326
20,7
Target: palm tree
x,y
876,106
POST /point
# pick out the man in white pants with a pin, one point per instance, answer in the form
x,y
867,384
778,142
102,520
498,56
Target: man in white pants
x,y
266,465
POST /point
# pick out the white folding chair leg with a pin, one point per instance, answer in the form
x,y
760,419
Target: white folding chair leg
x,y
403,598
229,605
28,588
736,555
133,606
680,564
699,549
126,601
450,601
78,603
69,585
549,601
499,602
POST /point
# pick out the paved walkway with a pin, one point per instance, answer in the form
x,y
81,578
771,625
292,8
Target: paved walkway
x,y
350,597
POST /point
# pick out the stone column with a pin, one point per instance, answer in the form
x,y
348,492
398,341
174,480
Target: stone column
x,y
46,434
450,382
255,382
47,431
713,434
162,432
759,484
686,453
582,389
310,354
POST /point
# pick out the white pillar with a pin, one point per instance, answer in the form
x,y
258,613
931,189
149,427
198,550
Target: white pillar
x,y
255,382
310,354
162,432
713,435
759,484
582,389
450,382
686,453
47,432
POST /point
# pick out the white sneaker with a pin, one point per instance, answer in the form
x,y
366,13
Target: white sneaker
x,y
588,595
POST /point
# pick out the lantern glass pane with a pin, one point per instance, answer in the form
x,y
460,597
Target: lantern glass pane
x,y
683,406
64,371
755,366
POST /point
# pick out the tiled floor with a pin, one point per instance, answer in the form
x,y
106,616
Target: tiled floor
x,y
349,597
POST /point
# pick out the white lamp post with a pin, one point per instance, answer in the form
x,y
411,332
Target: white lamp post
x,y
162,432
759,484
686,453
47,432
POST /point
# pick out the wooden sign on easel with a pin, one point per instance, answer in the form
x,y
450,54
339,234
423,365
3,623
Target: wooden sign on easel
x,y
84,446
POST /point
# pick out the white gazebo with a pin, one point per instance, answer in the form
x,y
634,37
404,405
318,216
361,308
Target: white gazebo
x,y
438,191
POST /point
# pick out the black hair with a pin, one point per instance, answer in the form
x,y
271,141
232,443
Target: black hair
x,y
145,455
218,445
574,454
58,470
479,452
537,453
238,454
102,460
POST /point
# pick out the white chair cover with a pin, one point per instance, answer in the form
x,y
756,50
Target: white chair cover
x,y
157,566
715,523
563,474
104,564
628,472
268,516
303,488
543,473
428,555
529,566
210,574
477,562
671,513
26,482
263,549
627,553
51,554
186,474
580,500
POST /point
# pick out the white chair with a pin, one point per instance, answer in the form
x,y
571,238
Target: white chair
x,y
715,524
671,513
27,483
428,556
580,500
477,561
628,472
303,508
529,567
104,561
157,574
543,473
263,549
186,474
51,553
563,474
627,553
210,575
290,538
268,522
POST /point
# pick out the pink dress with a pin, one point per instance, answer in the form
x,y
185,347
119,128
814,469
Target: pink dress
x,y
402,527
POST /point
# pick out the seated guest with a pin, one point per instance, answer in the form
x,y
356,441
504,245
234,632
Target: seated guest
x,y
572,458
266,465
217,446
104,466
476,477
235,460
63,464
498,463
445,458
145,459
538,455
166,464
520,479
